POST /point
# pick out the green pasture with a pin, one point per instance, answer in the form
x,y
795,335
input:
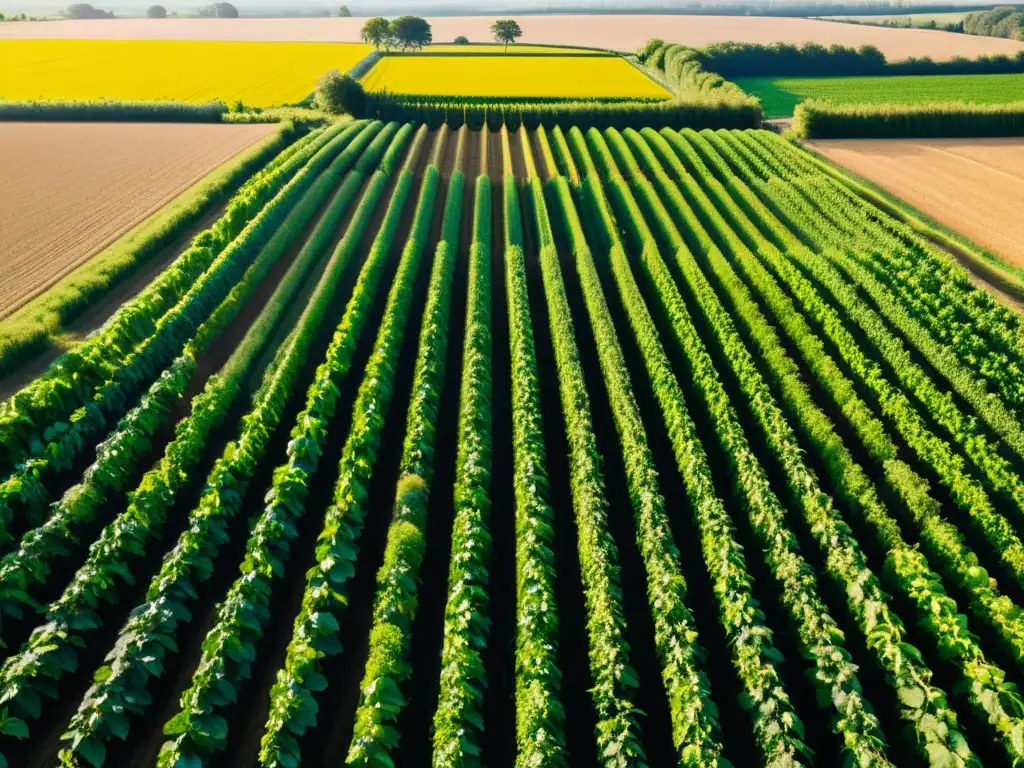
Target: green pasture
x,y
780,95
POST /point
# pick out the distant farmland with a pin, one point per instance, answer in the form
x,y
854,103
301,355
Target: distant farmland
x,y
780,95
258,74
618,32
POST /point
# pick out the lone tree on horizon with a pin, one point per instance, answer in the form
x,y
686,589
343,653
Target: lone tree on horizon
x,y
156,12
506,31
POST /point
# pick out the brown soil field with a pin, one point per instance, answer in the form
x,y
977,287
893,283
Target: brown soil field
x,y
973,186
621,32
70,189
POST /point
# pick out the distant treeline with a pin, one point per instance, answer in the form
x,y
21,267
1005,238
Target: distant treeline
x,y
734,60
1003,21
823,120
903,22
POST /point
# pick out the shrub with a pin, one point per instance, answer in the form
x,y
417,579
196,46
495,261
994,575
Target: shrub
x,y
461,40
340,94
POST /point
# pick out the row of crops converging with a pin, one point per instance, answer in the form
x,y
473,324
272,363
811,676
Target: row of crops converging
x,y
539,449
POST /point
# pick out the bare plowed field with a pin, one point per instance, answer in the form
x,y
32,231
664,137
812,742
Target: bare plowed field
x,y
69,189
620,32
974,186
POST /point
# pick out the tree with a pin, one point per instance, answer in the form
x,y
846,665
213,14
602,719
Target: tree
x,y
86,11
340,94
2,17
344,12
156,12
376,32
462,40
411,32
220,11
506,31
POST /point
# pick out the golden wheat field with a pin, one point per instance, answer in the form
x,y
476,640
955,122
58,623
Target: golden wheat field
x,y
260,74
512,77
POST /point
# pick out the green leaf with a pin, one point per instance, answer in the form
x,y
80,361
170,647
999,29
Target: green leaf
x,y
911,697
93,752
12,726
177,725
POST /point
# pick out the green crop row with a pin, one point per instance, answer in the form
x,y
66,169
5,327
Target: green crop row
x,y
696,732
458,718
381,700
293,705
987,681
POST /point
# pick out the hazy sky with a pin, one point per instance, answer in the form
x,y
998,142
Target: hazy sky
x,y
386,7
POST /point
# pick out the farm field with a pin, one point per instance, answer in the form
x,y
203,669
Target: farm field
x,y
70,189
604,448
780,95
974,186
512,77
616,32
258,74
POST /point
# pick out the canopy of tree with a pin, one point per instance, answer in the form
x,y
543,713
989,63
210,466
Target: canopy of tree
x,y
411,32
156,12
506,31
220,11
1004,21
404,32
86,11
376,32
339,94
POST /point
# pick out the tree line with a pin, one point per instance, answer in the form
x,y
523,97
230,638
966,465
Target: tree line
x,y
734,60
413,32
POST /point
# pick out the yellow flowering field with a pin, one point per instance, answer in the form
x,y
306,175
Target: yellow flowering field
x,y
568,77
260,74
